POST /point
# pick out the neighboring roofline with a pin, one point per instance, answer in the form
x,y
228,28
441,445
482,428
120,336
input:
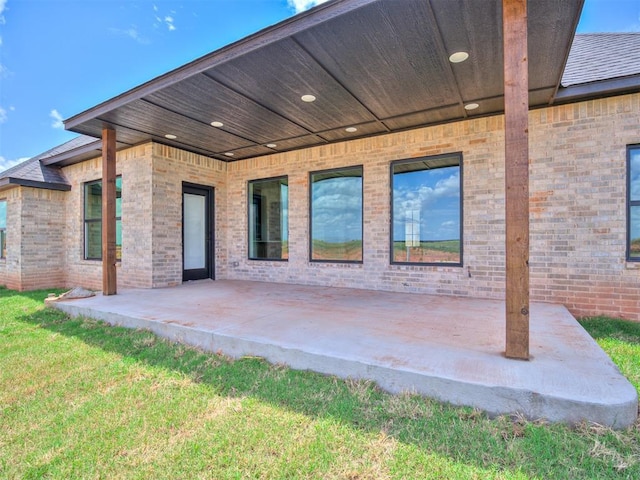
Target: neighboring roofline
x,y
70,154
281,30
612,87
9,181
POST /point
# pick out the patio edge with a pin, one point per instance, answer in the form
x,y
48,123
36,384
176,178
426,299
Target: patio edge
x,y
495,400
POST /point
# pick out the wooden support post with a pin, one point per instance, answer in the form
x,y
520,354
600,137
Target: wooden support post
x,y
516,109
108,212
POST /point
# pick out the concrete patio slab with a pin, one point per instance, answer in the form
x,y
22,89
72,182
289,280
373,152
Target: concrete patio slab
x,y
447,348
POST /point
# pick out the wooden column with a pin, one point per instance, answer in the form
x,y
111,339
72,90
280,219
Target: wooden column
x,y
108,212
516,108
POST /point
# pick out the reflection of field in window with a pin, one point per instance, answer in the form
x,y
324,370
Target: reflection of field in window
x,y
634,203
336,215
427,211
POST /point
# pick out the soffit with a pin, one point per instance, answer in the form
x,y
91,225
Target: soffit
x,y
379,66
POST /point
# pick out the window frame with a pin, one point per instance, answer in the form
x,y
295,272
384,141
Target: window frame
x,y
93,220
630,203
326,171
249,203
3,231
392,261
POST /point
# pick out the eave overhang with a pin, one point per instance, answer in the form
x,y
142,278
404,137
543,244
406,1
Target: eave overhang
x,y
377,66
8,182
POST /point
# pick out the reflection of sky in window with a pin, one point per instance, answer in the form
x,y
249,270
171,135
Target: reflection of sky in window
x,y
337,209
635,223
3,214
634,178
436,194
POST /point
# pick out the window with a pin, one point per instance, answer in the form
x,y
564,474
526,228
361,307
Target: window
x,y
633,204
269,219
3,229
427,210
336,215
93,220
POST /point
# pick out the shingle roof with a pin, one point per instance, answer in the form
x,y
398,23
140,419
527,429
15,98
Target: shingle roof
x,y
35,173
602,56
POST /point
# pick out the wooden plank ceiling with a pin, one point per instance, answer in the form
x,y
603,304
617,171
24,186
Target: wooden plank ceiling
x,y
374,65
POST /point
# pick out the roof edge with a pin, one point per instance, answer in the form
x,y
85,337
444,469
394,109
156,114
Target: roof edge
x,y
603,88
21,182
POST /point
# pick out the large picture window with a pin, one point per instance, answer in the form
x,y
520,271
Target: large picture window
x,y
93,220
427,210
3,229
336,215
633,204
269,219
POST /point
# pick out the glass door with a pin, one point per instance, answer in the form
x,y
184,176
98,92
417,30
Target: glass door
x,y
197,232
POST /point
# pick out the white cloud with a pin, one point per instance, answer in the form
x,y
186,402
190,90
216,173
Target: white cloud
x,y
3,5
57,119
169,21
337,209
131,32
302,5
3,115
410,198
6,164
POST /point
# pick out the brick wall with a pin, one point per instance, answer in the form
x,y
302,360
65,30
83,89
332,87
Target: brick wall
x,y
171,167
578,206
578,214
35,244
135,269
577,209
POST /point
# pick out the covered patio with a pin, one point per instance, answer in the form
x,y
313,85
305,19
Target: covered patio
x,y
447,348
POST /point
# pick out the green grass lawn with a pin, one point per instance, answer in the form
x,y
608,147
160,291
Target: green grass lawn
x,y
79,399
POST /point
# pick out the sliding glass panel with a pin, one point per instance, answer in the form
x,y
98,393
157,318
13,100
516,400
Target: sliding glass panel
x,y
269,219
336,215
427,211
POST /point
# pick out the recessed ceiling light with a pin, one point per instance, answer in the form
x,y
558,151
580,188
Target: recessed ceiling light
x,y
471,106
308,98
351,129
271,145
170,136
458,57
229,154
217,124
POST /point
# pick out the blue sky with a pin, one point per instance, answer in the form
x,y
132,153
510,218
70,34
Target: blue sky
x,y
60,57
